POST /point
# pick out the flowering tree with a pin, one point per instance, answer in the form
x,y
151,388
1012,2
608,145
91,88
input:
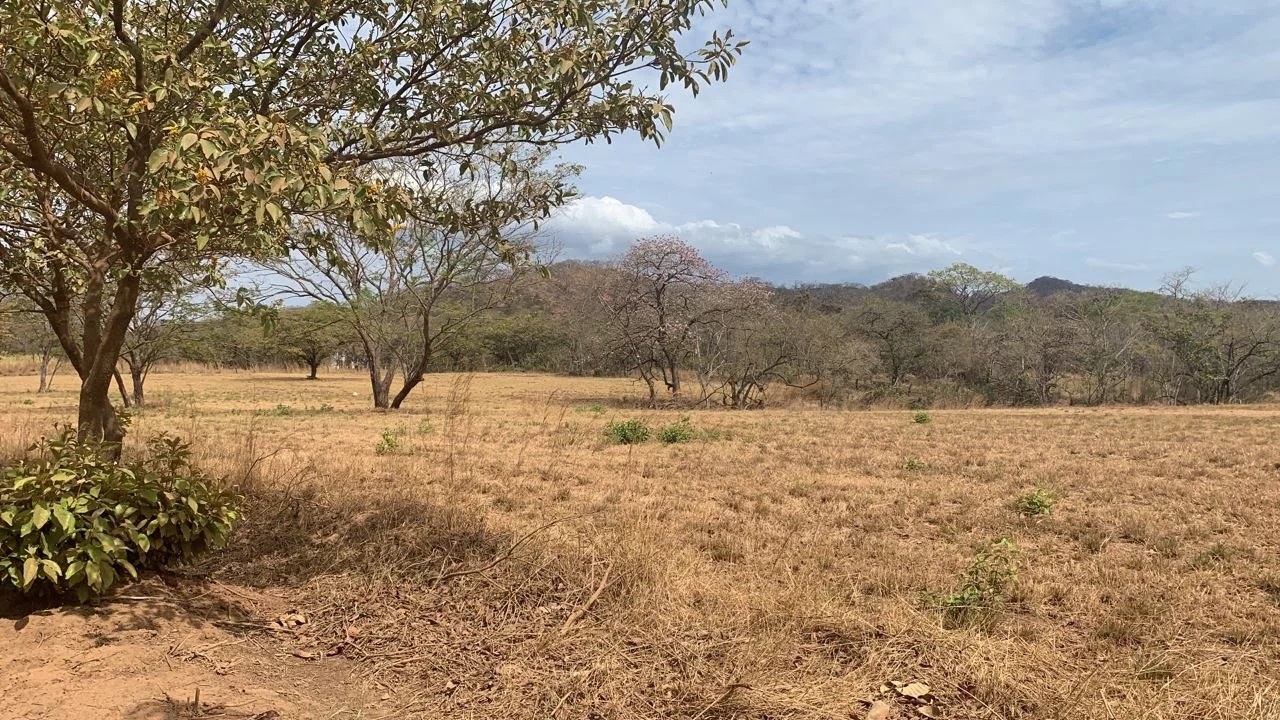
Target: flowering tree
x,y
663,293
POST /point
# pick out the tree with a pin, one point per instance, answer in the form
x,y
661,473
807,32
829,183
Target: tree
x,y
311,334
1223,345
456,258
142,135
1107,331
966,291
162,322
661,294
27,333
899,331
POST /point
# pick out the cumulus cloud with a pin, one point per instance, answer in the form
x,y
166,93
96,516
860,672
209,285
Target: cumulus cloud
x,y
1265,259
603,227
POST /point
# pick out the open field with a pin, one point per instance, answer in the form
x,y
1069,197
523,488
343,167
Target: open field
x,y
786,564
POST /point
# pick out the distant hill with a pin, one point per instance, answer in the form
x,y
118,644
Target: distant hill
x,y
1046,285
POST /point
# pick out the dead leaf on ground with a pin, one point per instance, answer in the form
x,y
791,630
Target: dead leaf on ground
x,y
928,711
915,690
880,710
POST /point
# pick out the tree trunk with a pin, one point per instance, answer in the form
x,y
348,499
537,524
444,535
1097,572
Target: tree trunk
x,y
44,373
414,377
124,395
410,382
97,421
138,376
314,365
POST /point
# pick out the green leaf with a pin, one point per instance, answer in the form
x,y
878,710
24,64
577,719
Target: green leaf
x,y
158,157
93,575
51,569
39,516
64,518
188,140
29,569
274,211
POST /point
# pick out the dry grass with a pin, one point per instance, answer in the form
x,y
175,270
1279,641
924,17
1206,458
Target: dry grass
x,y
786,565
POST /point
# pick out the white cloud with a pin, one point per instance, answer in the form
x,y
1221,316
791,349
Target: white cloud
x,y
1005,119
601,228
1114,266
1265,259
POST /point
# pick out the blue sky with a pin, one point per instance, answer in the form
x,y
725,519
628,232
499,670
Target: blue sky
x,y
1104,141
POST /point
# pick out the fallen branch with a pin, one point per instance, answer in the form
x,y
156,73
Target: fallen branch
x,y
503,556
576,615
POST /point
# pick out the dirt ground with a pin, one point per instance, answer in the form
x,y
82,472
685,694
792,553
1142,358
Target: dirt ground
x,y
486,553
160,651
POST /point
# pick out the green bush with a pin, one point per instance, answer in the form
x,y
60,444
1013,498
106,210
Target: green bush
x,y
74,523
628,432
1035,503
987,581
921,418
389,442
678,432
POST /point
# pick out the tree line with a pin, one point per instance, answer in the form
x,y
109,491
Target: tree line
x,y
696,336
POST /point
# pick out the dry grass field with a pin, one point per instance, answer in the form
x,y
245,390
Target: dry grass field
x,y
499,559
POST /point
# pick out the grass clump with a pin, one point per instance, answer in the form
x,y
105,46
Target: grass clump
x,y
1037,503
628,432
678,432
75,523
921,418
914,464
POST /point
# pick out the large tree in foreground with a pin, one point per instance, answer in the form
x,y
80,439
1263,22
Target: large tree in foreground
x,y
142,135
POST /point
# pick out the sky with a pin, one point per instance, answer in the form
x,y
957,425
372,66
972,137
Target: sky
x,y
1107,142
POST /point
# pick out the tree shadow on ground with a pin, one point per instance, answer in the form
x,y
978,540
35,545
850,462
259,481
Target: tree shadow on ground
x,y
158,598
292,536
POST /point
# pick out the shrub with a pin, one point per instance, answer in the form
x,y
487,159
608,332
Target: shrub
x,y
678,432
72,522
987,581
282,410
425,427
628,432
388,443
921,418
1036,503
914,464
